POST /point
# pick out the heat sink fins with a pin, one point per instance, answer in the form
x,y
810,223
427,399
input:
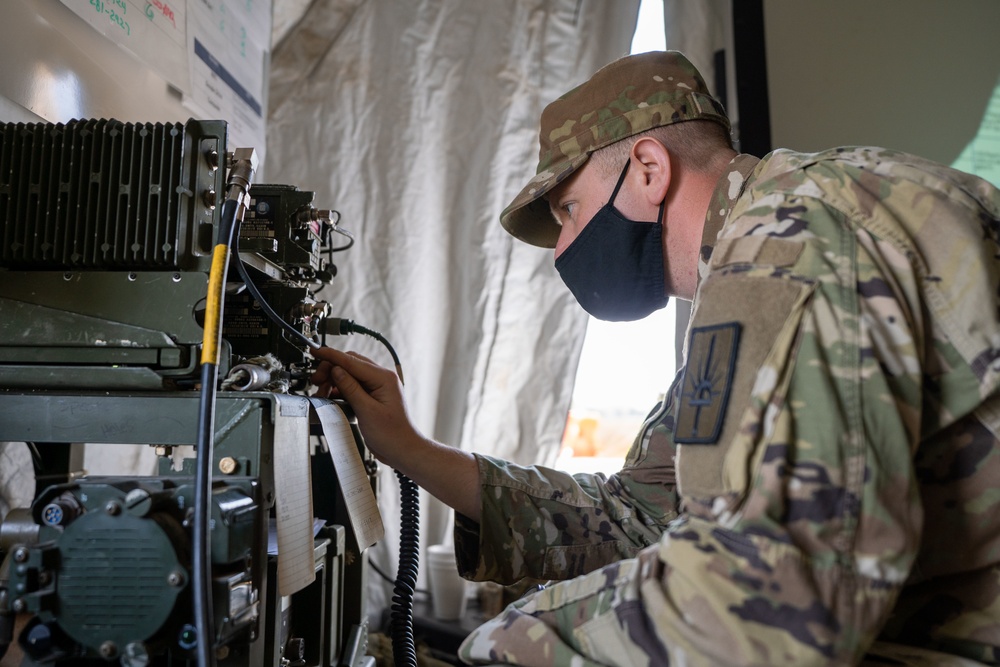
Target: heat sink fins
x,y
91,194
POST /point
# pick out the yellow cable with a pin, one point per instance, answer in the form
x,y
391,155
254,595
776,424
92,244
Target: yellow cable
x,y
213,305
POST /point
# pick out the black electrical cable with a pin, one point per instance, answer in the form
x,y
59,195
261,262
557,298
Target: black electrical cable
x,y
340,326
202,545
264,305
404,649
390,580
333,226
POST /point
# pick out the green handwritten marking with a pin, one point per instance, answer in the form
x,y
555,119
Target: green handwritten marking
x,y
113,14
152,6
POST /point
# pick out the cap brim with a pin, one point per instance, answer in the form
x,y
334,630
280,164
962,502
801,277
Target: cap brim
x,y
528,217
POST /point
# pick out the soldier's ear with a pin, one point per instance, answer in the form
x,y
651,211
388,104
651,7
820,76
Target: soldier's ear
x,y
653,160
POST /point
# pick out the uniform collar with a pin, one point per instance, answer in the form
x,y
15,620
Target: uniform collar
x,y
727,190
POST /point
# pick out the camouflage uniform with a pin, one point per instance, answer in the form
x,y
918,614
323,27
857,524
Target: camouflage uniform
x,y
835,431
539,523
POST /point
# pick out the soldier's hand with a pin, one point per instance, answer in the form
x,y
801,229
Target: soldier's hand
x,y
374,394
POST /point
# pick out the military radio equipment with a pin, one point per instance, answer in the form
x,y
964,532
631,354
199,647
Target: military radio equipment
x,y
107,231
107,236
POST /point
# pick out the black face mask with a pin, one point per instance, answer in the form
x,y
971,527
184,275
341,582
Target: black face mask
x,y
614,267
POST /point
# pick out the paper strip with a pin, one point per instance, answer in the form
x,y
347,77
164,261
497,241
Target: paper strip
x,y
293,494
362,508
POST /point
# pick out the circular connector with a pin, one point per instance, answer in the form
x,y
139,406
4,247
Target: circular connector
x,y
39,639
53,515
187,639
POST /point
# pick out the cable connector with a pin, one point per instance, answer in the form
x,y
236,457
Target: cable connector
x,y
338,326
327,215
245,163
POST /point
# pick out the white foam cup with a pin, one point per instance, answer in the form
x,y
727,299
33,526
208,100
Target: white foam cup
x,y
447,586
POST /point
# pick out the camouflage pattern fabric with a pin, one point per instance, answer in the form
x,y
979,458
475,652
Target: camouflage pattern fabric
x,y
851,516
622,99
544,524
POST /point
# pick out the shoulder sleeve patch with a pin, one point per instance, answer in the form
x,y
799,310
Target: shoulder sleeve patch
x,y
708,377
736,323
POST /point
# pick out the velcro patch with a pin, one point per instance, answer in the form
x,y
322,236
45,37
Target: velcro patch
x,y
708,378
759,250
769,310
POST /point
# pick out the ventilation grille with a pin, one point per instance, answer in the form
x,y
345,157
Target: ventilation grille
x,y
91,194
114,581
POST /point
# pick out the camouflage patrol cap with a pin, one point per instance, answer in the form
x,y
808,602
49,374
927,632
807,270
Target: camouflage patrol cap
x,y
629,96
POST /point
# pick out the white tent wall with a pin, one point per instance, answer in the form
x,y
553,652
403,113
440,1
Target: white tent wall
x,y
418,121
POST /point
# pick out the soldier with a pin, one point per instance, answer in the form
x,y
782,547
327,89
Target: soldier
x,y
833,434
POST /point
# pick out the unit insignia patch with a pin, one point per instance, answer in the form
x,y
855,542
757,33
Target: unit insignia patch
x,y
707,380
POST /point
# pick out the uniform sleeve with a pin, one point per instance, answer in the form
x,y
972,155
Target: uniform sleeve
x,y
545,524
801,514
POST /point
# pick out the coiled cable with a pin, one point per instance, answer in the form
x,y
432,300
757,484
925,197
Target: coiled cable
x,y
404,648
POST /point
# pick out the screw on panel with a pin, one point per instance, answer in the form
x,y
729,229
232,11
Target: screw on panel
x,y
175,578
20,605
108,649
113,508
20,555
135,655
227,465
138,502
